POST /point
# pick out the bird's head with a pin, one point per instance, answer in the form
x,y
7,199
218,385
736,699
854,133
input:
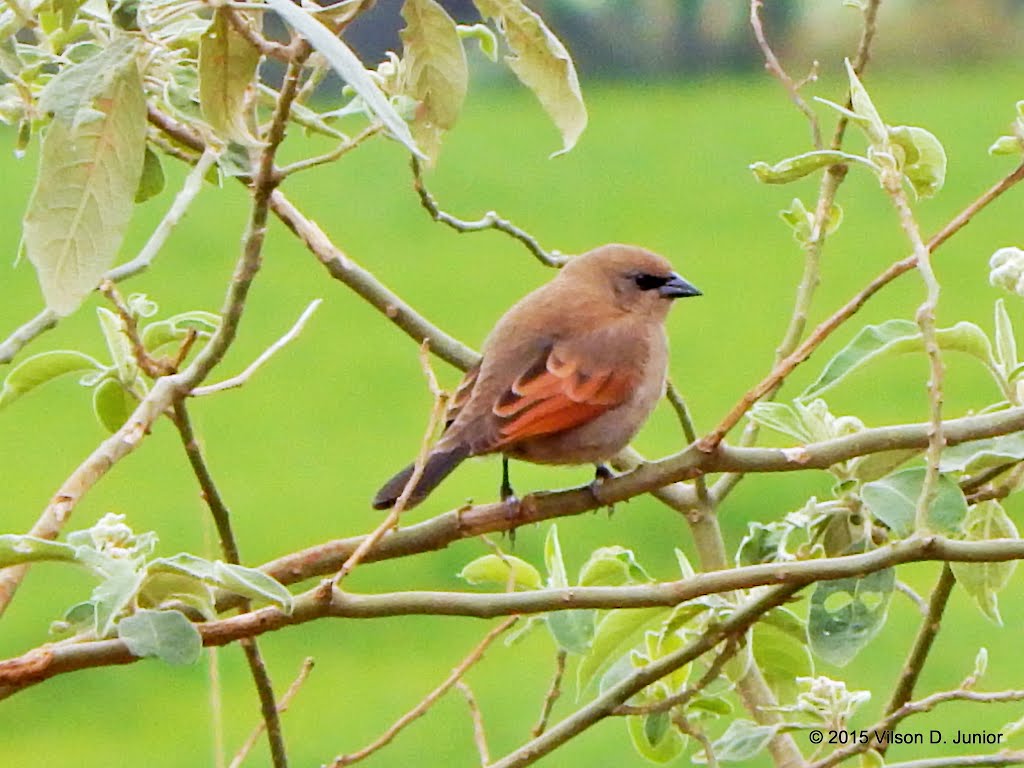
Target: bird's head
x,y
637,280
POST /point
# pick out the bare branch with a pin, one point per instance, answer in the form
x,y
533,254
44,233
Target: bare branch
x,y
479,735
554,691
282,707
490,220
429,700
277,346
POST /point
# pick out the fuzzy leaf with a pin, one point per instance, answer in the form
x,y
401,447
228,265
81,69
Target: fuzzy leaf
x,y
893,500
253,583
895,337
16,549
542,64
982,454
742,741
612,567
617,633
846,614
167,635
41,368
1006,341
863,107
654,738
112,404
89,171
793,168
434,71
924,162
983,581
491,569
349,68
152,182
780,650
227,70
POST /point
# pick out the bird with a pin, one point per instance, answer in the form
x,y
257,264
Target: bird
x,y
568,375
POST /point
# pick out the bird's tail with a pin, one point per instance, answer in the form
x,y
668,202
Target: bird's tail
x,y
438,466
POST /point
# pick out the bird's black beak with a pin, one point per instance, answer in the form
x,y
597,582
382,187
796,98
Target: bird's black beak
x,y
678,288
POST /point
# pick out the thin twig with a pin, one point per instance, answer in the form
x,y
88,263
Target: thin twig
x,y
554,691
266,47
130,326
490,220
771,63
926,635
684,725
329,157
479,735
905,589
429,700
242,378
282,707
686,422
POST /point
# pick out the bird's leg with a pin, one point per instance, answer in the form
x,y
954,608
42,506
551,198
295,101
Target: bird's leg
x,y
601,473
508,497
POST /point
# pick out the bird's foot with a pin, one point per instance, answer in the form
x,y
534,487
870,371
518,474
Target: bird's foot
x,y
601,474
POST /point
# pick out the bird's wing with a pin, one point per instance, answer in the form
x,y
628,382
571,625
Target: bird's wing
x,y
558,392
462,395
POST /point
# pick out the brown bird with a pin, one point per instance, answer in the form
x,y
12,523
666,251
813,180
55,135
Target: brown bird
x,y
567,376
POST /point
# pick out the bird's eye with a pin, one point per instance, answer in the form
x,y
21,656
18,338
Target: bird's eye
x,y
647,282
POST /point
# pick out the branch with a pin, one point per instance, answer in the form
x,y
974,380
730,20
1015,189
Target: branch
x,y
606,703
43,663
429,700
554,691
965,761
479,735
282,707
490,220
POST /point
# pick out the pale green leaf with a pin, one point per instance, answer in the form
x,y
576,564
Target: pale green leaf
x,y
618,632
1006,340
793,168
112,404
573,630
16,549
167,635
542,64
780,417
893,500
846,614
152,182
924,158
871,121
895,337
742,741
612,567
779,644
161,588
227,71
41,368
185,564
69,96
434,71
174,329
492,569
557,577
982,454
122,579
801,221
89,172
654,738
876,465
349,68
983,581
1006,145
484,37
118,345
252,583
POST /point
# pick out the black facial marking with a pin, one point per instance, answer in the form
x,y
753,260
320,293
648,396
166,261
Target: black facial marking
x,y
646,282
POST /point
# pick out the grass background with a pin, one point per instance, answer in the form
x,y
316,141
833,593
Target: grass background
x,y
299,451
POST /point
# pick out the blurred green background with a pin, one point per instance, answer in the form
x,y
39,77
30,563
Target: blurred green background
x,y
299,451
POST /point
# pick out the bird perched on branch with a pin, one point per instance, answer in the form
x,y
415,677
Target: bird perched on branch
x,y
568,375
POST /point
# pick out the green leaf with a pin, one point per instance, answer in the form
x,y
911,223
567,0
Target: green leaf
x,y
557,578
492,569
572,630
983,581
924,158
780,417
112,404
185,564
846,614
167,635
16,549
152,182
654,738
122,579
349,68
252,583
227,71
1006,340
801,221
895,337
69,96
742,740
118,345
763,543
174,329
863,107
161,588
1006,145
89,170
780,650
612,567
876,465
434,71
484,37
619,631
982,454
542,64
41,368
893,500
794,168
